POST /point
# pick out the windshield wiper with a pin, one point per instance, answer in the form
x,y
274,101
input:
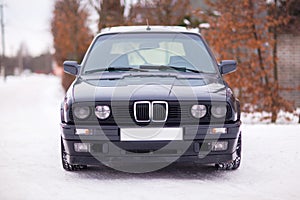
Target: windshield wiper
x,y
166,67
114,69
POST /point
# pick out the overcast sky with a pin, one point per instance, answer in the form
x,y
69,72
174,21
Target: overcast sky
x,y
27,21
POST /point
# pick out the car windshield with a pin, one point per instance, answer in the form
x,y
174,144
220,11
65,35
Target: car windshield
x,y
144,52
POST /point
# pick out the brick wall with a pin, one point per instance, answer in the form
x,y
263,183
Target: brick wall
x,y
289,65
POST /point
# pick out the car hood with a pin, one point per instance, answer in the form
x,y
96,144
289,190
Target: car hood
x,y
133,87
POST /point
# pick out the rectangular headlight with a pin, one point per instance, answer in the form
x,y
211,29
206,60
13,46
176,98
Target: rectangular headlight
x,y
219,146
82,147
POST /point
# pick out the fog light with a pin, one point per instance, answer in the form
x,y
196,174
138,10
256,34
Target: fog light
x,y
218,131
82,147
219,146
84,132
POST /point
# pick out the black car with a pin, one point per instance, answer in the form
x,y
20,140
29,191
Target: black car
x,y
145,97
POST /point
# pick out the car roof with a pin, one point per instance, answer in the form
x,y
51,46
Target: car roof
x,y
136,29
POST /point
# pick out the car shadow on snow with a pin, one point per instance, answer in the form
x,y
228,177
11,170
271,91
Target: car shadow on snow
x,y
174,171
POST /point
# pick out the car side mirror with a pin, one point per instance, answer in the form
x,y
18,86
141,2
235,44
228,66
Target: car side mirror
x,y
71,67
227,66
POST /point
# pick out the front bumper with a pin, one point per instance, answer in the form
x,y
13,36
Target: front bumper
x,y
106,147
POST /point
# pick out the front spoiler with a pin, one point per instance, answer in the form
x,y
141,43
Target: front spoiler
x,y
94,161
109,137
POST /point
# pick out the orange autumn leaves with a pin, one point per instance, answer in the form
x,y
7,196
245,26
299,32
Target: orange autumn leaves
x,y
71,34
245,31
70,30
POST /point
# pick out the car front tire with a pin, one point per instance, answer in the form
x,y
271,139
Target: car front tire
x,y
67,166
234,164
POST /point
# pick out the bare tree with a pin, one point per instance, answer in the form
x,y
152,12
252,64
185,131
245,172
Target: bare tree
x,y
110,12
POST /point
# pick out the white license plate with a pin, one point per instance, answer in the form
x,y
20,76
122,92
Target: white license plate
x,y
151,134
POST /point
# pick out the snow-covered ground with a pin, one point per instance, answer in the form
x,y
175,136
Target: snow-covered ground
x,y
30,165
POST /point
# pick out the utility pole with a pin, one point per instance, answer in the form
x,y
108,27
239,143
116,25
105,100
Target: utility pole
x,y
2,63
